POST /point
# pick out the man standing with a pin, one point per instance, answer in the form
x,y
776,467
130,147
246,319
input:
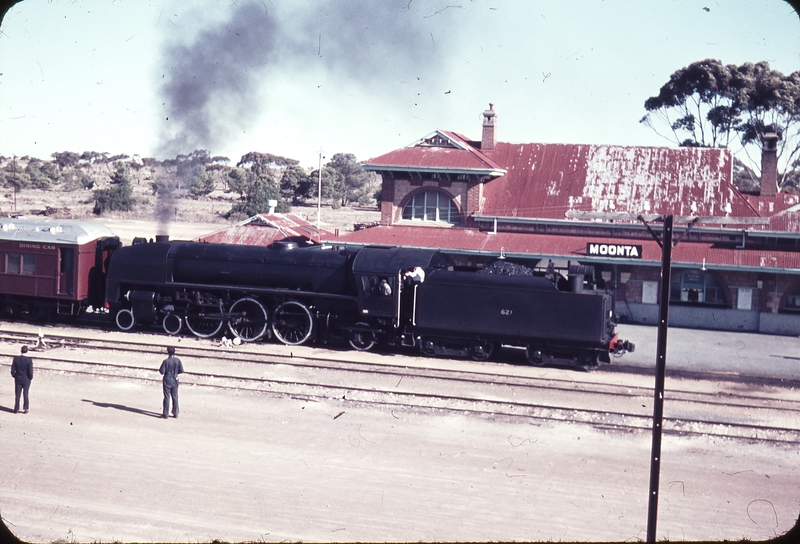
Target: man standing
x,y
22,371
170,368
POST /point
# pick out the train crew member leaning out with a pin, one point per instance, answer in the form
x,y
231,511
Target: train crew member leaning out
x,y
22,371
415,275
170,368
384,288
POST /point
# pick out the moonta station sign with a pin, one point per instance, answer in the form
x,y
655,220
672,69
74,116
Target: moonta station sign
x,y
620,251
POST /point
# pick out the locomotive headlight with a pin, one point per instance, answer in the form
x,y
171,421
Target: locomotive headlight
x,y
127,296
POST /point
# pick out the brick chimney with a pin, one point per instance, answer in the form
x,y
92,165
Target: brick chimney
x,y
769,164
489,124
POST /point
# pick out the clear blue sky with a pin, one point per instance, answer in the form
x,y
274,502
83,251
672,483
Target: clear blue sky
x,y
291,77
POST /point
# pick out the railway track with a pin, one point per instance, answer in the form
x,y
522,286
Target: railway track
x,y
403,383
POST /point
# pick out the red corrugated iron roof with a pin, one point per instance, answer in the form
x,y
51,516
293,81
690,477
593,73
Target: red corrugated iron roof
x,y
464,239
549,180
263,229
556,181
458,155
783,211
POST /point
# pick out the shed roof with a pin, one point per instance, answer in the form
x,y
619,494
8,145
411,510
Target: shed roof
x,y
264,229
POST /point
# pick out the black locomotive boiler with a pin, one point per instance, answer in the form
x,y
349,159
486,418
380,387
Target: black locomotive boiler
x,y
361,296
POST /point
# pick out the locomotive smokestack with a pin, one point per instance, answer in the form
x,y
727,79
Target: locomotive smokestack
x,y
165,210
162,238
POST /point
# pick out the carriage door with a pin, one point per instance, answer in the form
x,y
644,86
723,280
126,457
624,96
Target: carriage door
x,y
66,267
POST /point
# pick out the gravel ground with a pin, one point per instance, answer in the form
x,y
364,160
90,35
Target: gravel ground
x,y
92,462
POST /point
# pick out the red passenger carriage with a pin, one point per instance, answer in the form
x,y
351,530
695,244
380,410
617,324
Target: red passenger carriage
x,y
50,267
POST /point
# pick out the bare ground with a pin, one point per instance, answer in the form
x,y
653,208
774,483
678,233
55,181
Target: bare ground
x,y
92,462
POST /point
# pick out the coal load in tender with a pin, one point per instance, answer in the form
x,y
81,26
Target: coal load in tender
x,y
506,268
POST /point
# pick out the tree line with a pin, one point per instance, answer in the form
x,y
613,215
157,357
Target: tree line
x,y
256,179
706,104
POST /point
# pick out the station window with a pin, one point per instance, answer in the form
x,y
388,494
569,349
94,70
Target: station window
x,y
792,303
431,206
21,263
696,287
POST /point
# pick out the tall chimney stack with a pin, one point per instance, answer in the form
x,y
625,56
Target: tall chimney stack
x,y
769,164
489,124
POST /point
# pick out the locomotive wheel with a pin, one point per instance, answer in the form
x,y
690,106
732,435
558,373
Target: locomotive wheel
x,y
534,355
362,340
204,321
589,360
124,319
172,324
9,310
248,319
427,346
292,323
481,350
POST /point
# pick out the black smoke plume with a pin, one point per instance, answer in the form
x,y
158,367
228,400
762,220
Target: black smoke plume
x,y
209,84
211,81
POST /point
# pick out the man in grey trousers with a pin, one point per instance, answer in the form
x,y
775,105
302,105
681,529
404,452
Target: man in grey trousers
x,y
170,368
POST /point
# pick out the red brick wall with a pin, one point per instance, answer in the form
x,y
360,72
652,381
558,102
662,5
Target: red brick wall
x,y
387,200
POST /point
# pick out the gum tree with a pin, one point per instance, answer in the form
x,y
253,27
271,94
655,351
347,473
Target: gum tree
x,y
708,104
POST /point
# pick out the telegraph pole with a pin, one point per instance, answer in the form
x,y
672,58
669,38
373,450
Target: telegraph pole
x,y
661,363
16,182
319,190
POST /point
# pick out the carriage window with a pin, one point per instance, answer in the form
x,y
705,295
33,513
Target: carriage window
x,y
13,263
21,263
28,264
67,260
431,206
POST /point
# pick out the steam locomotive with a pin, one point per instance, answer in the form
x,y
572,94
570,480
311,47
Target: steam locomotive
x,y
361,296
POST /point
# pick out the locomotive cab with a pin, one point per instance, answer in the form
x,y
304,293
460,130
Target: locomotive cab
x,y
378,272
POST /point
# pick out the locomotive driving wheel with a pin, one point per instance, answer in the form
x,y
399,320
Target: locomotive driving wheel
x,y
204,321
248,319
362,340
292,323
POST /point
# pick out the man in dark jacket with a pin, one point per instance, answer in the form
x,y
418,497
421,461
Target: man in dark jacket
x,y
170,368
22,371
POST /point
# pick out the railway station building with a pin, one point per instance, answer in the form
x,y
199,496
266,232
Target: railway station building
x,y
736,256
